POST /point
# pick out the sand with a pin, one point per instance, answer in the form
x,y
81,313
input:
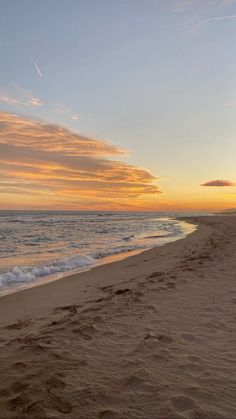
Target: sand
x,y
151,336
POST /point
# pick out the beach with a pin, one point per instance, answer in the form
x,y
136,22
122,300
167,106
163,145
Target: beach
x,y
151,336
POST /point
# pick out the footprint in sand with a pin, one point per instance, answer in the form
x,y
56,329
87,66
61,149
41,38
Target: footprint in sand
x,y
188,337
165,339
194,358
72,308
138,384
151,308
136,300
183,403
97,319
138,294
171,285
191,367
110,414
122,291
19,365
161,355
106,288
4,392
86,332
156,275
20,324
18,402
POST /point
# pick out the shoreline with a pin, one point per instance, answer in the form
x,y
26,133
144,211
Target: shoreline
x,y
40,281
57,277
150,336
22,296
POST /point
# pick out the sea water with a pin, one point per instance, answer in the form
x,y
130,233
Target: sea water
x,y
47,245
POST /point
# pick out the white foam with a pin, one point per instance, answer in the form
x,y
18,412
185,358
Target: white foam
x,y
23,274
117,250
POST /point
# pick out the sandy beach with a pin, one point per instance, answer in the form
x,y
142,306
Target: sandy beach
x,y
151,336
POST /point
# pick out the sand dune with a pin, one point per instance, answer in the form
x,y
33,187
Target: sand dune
x,y
150,337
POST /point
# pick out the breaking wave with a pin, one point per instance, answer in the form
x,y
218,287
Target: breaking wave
x,y
23,274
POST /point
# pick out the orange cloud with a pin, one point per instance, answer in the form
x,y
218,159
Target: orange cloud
x,y
50,137
49,161
219,182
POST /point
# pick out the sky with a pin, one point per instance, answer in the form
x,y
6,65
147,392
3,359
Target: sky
x,y
118,105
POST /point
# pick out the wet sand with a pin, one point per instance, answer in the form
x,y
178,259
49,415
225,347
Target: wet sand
x,y
151,336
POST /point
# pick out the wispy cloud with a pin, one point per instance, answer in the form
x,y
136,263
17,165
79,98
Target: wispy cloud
x,y
35,101
75,116
75,169
219,182
18,97
209,19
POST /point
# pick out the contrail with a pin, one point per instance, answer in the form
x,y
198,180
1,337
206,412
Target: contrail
x,y
210,19
37,69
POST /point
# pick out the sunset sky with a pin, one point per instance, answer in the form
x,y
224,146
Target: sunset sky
x,y
118,105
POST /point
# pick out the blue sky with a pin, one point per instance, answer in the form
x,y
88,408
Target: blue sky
x,y
157,77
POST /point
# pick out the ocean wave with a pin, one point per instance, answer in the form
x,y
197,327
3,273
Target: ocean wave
x,y
24,274
6,250
77,245
36,240
118,250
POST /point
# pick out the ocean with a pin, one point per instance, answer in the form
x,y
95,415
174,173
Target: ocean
x,y
42,246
